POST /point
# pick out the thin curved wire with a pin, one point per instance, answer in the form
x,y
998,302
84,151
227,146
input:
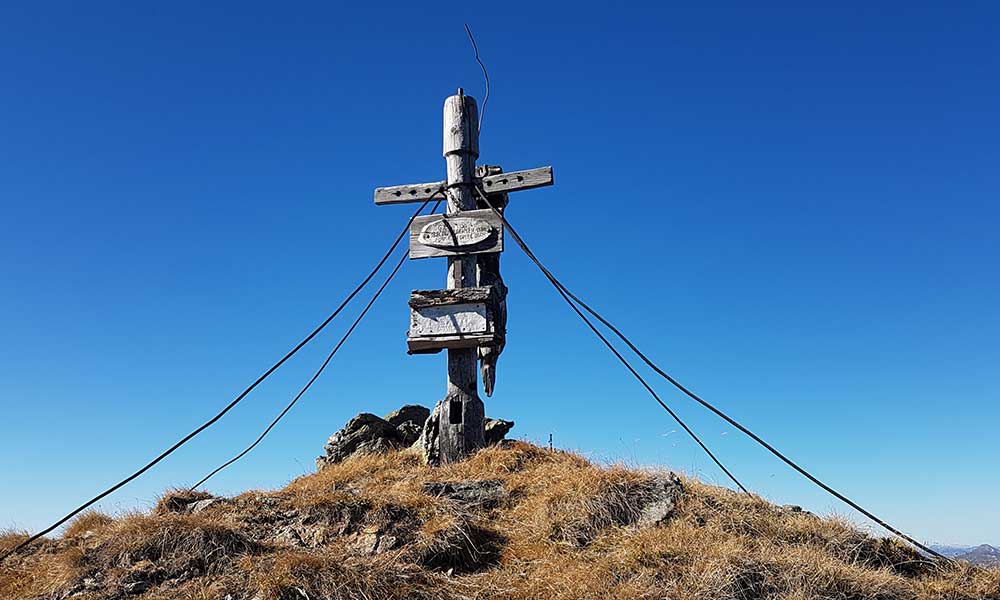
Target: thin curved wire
x,y
486,75
567,294
229,406
315,375
611,347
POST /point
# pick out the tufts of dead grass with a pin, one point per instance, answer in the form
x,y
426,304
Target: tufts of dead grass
x,y
456,544
170,544
561,527
176,500
43,569
87,524
294,575
10,539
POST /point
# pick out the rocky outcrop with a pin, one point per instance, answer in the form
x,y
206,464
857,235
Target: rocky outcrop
x,y
411,425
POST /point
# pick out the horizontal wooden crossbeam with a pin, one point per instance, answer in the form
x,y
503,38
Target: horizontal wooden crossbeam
x,y
504,182
516,181
417,192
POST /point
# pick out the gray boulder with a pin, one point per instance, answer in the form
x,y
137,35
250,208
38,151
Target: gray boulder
x,y
364,434
410,413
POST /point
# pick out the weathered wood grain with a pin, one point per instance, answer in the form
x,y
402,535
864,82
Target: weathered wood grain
x,y
461,421
518,180
514,181
489,275
420,345
426,298
414,192
488,231
461,128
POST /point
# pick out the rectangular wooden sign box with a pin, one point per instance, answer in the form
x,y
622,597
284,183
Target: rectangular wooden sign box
x,y
440,319
467,232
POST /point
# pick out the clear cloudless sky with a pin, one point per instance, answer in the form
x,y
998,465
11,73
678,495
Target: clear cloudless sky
x,y
793,208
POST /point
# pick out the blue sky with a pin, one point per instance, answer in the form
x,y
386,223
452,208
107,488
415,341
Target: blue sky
x,y
793,209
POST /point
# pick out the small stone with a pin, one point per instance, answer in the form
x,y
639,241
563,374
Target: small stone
x,y
367,542
484,493
660,498
135,588
496,430
796,510
196,507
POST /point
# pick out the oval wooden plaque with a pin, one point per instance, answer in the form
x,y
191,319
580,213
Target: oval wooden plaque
x,y
455,232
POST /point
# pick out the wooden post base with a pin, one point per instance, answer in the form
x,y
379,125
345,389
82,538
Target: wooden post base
x,y
461,414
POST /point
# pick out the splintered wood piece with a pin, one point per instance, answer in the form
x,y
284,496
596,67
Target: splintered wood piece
x,y
467,232
415,192
426,298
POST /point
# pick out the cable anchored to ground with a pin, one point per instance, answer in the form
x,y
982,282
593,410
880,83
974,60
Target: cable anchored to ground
x,y
573,300
315,376
610,346
232,404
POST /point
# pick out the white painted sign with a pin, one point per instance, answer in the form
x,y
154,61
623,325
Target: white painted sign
x,y
456,319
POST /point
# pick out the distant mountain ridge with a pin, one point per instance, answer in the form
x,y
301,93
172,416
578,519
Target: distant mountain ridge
x,y
950,551
984,555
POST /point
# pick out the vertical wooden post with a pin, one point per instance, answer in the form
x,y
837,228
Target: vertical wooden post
x,y
460,429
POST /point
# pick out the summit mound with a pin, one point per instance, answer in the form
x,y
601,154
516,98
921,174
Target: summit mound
x,y
514,522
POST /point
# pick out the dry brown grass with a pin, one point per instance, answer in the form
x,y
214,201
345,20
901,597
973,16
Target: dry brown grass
x,y
87,524
367,529
10,539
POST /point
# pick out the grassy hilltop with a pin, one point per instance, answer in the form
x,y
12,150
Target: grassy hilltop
x,y
516,522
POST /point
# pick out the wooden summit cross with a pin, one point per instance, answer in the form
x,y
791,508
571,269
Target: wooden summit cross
x,y
468,319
